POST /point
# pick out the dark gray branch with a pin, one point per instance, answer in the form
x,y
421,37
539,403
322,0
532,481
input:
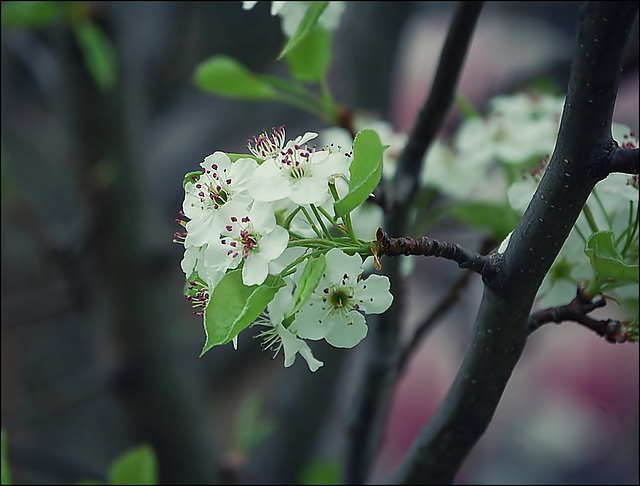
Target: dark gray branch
x,y
612,330
499,334
436,107
625,160
425,246
367,416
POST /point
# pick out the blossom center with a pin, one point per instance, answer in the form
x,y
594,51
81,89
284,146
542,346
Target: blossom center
x,y
246,240
266,145
214,188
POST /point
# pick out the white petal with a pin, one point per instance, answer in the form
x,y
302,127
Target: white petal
x,y
274,243
348,335
339,263
372,295
255,270
312,322
292,345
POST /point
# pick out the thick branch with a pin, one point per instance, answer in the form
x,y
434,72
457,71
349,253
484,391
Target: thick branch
x,y
433,112
612,330
499,334
428,247
625,160
367,416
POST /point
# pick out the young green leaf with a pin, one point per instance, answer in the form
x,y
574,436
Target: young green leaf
x,y
98,53
307,24
233,306
310,58
225,76
234,157
136,466
250,428
191,177
499,218
6,474
309,279
365,171
607,261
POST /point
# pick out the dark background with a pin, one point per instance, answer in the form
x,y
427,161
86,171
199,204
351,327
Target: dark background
x,y
99,347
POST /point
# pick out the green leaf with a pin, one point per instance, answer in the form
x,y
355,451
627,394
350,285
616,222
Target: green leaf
x,y
30,14
225,76
321,472
308,282
310,58
365,170
98,53
607,261
305,27
6,474
500,219
233,306
189,177
136,466
251,429
234,157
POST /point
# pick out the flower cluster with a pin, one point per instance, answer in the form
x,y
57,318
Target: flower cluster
x,y
268,216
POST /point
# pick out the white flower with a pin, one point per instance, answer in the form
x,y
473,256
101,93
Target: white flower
x,y
291,14
220,182
333,312
298,173
518,128
277,336
251,236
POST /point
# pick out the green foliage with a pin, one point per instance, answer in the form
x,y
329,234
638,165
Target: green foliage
x,y
305,27
308,282
31,14
365,171
500,219
98,53
136,466
607,261
6,473
97,49
234,306
309,60
321,472
251,429
224,76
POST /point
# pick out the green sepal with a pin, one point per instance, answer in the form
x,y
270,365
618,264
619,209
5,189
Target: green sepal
x,y
188,178
308,282
365,171
307,24
234,157
136,466
310,58
234,305
227,77
607,261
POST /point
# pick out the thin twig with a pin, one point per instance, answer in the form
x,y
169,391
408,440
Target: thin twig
x,y
612,330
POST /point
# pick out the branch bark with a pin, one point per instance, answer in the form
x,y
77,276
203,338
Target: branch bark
x,y
582,151
366,420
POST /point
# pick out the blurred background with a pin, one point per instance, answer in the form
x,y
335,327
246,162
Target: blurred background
x,y
99,346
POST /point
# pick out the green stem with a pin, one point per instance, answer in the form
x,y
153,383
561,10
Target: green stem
x,y
590,219
308,216
287,222
329,105
604,211
319,218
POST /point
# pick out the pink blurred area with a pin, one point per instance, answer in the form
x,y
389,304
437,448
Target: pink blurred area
x,y
570,411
